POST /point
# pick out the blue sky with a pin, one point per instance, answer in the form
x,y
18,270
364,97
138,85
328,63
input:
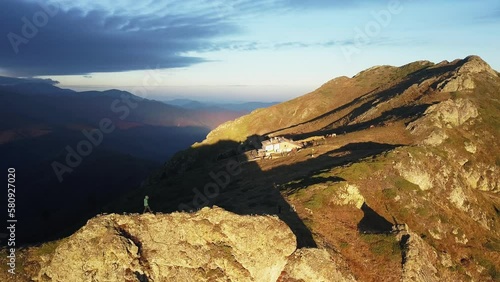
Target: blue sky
x,y
234,50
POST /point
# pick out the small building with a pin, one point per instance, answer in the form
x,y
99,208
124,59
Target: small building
x,y
279,145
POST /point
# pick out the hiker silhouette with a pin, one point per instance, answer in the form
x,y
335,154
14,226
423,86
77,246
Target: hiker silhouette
x,y
146,205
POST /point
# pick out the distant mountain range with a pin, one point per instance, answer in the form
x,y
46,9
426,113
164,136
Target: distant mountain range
x,y
246,107
41,124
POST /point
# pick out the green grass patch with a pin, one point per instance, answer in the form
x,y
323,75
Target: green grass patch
x,y
422,211
308,223
404,212
293,182
332,189
47,248
363,168
383,245
390,193
323,175
490,267
404,185
457,268
298,194
493,244
316,201
443,218
355,171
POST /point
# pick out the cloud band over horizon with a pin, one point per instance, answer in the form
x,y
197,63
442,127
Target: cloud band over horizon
x,y
260,42
77,42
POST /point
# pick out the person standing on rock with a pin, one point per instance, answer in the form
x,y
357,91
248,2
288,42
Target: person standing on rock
x,y
146,205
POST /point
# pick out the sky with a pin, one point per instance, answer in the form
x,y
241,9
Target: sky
x,y
240,50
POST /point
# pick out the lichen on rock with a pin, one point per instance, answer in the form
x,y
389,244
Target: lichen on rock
x,y
210,245
461,79
348,194
312,265
445,115
419,259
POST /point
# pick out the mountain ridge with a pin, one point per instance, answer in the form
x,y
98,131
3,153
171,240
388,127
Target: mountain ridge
x,y
406,188
474,64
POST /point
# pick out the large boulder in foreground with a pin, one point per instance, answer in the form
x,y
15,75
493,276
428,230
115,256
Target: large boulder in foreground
x,y
210,245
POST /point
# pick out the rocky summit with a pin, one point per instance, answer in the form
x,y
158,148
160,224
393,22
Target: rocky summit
x,y
210,245
390,175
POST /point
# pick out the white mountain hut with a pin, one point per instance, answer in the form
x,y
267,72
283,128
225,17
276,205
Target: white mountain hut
x,y
279,145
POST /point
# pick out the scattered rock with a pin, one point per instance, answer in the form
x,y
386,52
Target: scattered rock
x,y
349,194
458,198
445,260
462,239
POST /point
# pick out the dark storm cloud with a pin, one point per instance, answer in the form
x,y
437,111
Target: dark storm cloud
x,y
77,42
82,40
14,80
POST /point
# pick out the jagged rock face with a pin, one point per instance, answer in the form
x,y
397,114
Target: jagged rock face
x,y
474,64
456,83
415,172
461,79
419,259
211,245
439,117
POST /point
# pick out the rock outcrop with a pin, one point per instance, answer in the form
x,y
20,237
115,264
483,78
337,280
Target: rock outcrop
x,y
210,245
474,64
419,259
461,79
348,194
439,117
312,265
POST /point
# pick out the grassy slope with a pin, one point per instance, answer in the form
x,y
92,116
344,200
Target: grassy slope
x,y
300,115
